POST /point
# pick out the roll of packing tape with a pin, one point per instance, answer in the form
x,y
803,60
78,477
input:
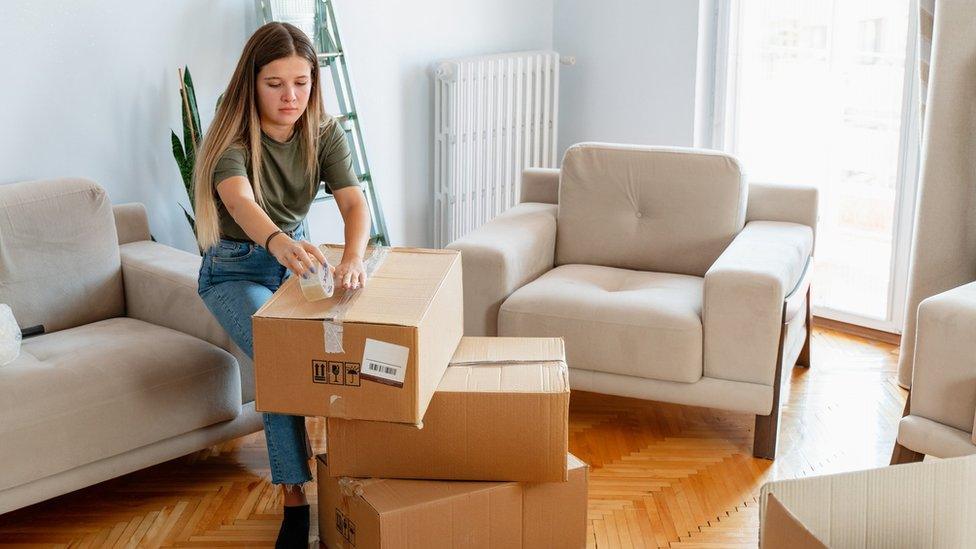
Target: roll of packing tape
x,y
318,285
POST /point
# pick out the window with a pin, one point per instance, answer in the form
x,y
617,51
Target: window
x,y
819,92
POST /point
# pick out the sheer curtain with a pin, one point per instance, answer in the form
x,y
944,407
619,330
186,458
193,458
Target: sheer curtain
x,y
944,242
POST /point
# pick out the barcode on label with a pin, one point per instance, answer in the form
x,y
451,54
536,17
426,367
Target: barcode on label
x,y
382,368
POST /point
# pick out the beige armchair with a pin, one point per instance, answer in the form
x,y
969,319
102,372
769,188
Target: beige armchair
x,y
941,409
131,370
669,277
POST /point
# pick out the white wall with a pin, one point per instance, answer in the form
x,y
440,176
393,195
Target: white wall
x,y
391,47
90,89
635,75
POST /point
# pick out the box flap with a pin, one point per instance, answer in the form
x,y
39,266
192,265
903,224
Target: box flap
x,y
388,495
507,364
398,293
781,528
509,349
521,377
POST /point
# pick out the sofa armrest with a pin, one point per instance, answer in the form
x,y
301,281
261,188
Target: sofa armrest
x,y
500,257
540,185
743,300
131,222
161,288
944,378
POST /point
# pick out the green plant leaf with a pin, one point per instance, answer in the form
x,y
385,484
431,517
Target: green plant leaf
x,y
194,114
190,220
186,170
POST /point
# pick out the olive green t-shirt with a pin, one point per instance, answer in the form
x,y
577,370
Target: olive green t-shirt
x,y
286,189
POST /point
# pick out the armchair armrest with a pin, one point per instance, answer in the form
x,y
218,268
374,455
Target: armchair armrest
x,y
776,202
131,222
540,185
501,256
743,300
944,382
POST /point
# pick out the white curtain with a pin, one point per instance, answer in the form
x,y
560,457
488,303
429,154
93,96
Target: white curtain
x,y
944,244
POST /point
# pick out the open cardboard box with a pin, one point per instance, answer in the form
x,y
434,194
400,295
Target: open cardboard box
x,y
920,505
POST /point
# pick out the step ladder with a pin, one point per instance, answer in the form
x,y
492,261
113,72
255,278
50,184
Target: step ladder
x,y
317,19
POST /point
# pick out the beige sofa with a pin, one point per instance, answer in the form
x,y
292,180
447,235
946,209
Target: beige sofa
x,y
942,406
132,369
670,278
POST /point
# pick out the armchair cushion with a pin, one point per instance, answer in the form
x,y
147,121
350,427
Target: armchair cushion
x,y
744,290
59,254
94,391
500,257
614,320
648,208
944,382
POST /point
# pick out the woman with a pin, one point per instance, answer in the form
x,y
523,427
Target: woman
x,y
259,168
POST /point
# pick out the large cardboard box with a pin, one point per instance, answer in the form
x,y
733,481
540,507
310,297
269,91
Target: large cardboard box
x,y
500,412
385,513
920,505
397,335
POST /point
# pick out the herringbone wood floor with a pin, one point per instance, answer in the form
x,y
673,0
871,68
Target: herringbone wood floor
x,y
661,475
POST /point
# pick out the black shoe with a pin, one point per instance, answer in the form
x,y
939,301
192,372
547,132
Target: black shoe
x,y
294,528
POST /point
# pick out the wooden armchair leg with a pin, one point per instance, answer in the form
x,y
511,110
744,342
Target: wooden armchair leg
x,y
766,433
804,358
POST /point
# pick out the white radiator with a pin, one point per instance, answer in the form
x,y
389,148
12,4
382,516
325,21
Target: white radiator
x,y
494,115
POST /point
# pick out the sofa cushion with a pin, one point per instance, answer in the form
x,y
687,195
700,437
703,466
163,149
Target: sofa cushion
x,y
86,393
614,320
60,253
648,208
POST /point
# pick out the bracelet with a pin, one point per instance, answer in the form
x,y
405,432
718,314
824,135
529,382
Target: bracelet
x,y
270,236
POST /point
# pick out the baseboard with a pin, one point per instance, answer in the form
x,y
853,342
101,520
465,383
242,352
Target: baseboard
x,y
854,329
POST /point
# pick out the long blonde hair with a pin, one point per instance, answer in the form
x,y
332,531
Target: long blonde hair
x,y
237,122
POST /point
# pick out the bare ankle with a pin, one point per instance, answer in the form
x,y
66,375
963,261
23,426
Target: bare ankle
x,y
294,494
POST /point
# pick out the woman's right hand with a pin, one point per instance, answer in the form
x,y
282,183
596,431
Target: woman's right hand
x,y
299,256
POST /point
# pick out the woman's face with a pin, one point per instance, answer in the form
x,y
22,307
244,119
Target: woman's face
x,y
283,90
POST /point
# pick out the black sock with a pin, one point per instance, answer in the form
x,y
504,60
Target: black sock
x,y
294,528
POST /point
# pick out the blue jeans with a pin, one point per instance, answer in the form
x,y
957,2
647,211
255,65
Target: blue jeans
x,y
236,278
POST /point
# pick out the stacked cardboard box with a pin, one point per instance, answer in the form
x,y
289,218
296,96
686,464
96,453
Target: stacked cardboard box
x,y
396,337
499,413
431,513
408,398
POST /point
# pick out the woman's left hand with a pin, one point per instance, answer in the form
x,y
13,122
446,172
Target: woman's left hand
x,y
350,274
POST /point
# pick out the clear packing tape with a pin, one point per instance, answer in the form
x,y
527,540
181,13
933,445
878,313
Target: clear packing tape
x,y
335,316
560,366
349,489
